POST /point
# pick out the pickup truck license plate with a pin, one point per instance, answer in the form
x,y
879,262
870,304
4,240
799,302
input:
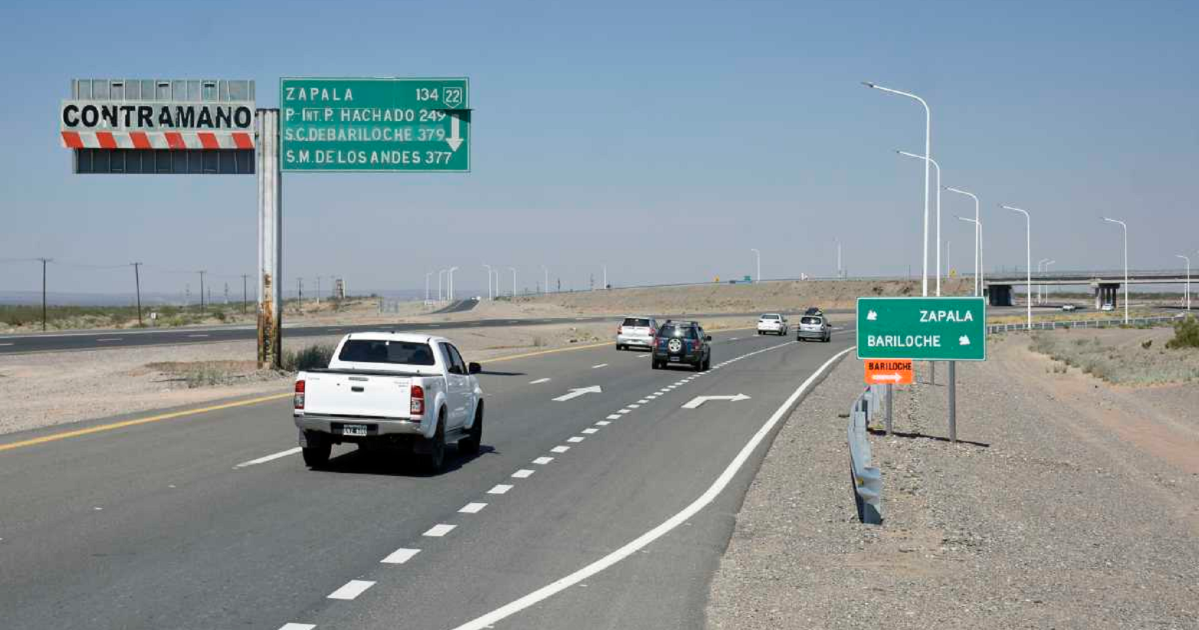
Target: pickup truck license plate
x,y
354,429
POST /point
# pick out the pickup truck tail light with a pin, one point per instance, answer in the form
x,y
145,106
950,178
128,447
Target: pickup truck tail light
x,y
299,397
417,406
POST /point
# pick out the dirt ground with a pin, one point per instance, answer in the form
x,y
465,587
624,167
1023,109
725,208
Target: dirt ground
x,y
1068,503
47,389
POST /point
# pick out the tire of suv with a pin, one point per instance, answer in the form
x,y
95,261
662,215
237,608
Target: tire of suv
x,y
435,458
473,441
707,363
316,454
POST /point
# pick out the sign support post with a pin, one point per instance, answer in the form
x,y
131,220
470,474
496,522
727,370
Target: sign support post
x,y
270,241
890,405
953,402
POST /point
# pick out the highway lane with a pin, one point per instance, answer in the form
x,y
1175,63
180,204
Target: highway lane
x,y
154,527
91,340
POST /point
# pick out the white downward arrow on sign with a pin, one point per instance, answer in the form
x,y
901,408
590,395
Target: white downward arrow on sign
x,y
579,391
454,140
699,400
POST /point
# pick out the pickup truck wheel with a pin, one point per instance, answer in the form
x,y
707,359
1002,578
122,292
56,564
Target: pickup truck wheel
x,y
435,458
316,455
473,441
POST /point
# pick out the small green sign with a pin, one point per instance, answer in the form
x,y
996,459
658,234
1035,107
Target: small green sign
x,y
922,329
363,125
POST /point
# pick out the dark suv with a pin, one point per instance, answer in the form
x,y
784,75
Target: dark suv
x,y
682,342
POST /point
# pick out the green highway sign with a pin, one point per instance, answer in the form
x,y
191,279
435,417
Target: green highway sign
x,y
922,329
384,125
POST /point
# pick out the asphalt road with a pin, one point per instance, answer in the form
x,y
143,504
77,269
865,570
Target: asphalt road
x,y
93,339
156,525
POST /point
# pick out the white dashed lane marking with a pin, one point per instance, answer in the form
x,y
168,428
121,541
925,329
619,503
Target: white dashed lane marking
x,y
575,440
538,381
559,449
297,626
499,489
437,531
523,473
624,411
614,416
603,423
541,461
351,590
271,457
596,367
400,556
472,508
590,431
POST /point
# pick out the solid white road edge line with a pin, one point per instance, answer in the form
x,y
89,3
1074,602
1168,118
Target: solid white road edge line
x,y
351,590
669,524
271,457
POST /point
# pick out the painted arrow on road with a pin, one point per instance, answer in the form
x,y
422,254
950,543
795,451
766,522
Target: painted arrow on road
x,y
579,391
699,400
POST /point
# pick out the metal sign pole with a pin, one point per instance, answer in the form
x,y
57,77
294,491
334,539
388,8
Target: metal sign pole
x,y
270,241
953,402
890,406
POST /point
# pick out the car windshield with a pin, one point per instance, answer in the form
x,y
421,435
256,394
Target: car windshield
x,y
637,322
810,320
685,332
386,351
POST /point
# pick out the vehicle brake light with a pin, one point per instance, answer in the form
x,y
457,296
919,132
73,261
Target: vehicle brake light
x,y
417,406
299,397
653,332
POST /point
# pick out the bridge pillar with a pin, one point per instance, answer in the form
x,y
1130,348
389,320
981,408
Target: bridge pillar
x,y
1106,293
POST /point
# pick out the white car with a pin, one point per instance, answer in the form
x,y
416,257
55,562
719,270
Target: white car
x,y
1069,307
1107,307
772,323
636,330
409,391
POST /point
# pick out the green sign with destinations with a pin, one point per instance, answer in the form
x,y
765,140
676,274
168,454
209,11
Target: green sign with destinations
x,y
362,125
923,329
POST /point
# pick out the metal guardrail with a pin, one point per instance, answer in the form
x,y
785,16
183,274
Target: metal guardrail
x,y
867,480
1080,323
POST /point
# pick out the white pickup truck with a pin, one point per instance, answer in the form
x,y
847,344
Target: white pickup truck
x,y
409,391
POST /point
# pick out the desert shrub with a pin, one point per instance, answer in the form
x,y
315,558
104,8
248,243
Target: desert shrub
x,y
1186,334
309,357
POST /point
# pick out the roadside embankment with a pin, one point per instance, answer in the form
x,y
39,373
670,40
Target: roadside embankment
x,y
1069,503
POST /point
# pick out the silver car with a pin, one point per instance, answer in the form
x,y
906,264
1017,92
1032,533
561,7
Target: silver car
x,y
814,327
636,330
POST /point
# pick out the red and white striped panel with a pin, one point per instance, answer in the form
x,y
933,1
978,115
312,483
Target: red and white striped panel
x,y
175,140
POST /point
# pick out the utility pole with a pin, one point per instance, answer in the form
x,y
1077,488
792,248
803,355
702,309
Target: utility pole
x,y
202,290
226,293
137,283
245,292
300,291
44,261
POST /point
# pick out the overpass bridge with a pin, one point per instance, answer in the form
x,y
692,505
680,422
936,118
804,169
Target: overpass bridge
x,y
1105,284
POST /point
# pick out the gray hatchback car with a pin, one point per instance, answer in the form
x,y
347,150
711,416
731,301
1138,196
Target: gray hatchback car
x,y
813,327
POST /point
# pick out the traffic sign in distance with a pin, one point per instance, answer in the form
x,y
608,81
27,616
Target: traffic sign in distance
x,y
361,125
922,329
888,371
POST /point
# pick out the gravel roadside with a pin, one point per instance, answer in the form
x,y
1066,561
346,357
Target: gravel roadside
x,y
1040,518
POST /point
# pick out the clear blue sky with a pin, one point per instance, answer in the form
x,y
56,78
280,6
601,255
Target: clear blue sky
x,y
661,139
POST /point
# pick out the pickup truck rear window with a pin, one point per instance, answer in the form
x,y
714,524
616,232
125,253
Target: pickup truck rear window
x,y
384,351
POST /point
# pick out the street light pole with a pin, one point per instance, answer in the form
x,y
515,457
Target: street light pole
x,y
1040,285
928,151
427,285
605,277
489,296
758,256
1027,259
513,270
927,161
545,288
1047,264
1188,290
977,228
839,274
450,281
1125,226
440,293
978,241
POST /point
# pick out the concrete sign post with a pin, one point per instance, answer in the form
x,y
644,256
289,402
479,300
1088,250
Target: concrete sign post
x,y
270,242
361,125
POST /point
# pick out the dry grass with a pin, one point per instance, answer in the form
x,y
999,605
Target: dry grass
x,y
1123,356
194,374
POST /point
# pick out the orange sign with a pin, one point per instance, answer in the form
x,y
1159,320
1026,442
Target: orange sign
x,y
888,371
